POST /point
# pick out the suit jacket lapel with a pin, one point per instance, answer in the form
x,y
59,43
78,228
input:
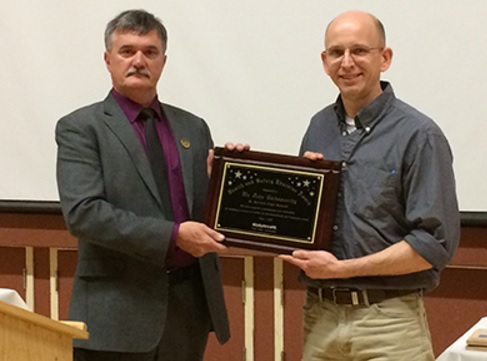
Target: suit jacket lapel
x,y
118,123
180,133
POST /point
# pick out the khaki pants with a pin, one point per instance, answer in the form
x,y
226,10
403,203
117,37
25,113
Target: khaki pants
x,y
392,330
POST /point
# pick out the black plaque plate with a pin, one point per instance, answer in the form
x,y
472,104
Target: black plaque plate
x,y
271,202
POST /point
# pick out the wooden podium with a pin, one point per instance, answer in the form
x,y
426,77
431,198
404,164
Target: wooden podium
x,y
27,336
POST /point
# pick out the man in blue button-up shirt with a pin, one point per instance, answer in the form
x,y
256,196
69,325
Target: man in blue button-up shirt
x,y
397,220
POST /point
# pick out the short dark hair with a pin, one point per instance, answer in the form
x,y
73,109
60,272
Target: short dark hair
x,y
138,21
380,29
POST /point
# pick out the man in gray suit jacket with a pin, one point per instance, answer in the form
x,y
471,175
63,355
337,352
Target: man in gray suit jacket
x,y
147,281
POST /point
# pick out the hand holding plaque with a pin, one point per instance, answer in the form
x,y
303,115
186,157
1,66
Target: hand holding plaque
x,y
270,202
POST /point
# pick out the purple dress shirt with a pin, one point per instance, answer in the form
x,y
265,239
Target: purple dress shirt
x,y
176,257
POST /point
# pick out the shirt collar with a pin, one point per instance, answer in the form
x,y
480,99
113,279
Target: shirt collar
x,y
370,114
132,109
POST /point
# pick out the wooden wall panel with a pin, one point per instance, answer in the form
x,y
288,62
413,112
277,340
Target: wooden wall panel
x,y
35,230
42,291
264,309
294,297
232,276
66,267
12,268
456,305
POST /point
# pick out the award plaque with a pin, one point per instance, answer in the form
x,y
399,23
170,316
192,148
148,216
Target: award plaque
x,y
271,202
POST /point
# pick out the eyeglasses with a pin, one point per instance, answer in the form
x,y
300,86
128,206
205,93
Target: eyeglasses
x,y
358,53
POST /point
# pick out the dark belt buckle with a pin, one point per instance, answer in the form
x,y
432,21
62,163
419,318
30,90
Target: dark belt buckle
x,y
354,297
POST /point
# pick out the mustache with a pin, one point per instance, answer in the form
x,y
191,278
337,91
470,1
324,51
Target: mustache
x,y
133,71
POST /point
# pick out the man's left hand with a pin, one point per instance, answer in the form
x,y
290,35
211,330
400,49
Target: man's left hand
x,y
315,264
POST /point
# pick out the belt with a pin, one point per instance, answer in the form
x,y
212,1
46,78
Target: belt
x,y
178,275
356,297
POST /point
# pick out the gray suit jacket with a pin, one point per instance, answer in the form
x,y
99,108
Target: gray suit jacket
x,y
110,203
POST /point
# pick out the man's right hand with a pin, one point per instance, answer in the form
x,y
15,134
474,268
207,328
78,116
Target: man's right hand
x,y
198,239
313,155
239,147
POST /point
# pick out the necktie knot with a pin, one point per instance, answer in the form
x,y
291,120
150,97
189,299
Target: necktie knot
x,y
146,114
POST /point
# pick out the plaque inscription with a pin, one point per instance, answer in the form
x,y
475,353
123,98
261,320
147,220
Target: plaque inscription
x,y
278,203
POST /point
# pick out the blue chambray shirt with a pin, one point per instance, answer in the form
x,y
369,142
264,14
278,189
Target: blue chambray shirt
x,y
397,183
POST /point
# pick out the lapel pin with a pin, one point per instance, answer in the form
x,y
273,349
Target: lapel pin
x,y
185,143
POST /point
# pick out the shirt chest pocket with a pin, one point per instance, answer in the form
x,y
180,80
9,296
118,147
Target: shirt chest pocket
x,y
375,190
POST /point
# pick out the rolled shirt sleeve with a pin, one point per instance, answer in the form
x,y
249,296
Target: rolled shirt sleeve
x,y
431,203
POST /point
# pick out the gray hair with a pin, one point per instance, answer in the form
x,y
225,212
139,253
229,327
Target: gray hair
x,y
140,22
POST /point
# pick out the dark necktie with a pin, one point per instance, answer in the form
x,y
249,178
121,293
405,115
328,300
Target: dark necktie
x,y
156,159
